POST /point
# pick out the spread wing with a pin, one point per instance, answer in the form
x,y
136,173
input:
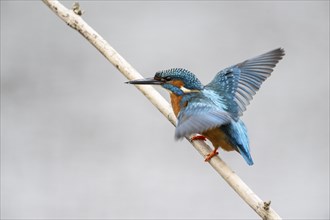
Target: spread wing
x,y
204,110
237,84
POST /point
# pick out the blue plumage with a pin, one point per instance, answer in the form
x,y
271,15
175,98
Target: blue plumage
x,y
214,110
205,110
237,133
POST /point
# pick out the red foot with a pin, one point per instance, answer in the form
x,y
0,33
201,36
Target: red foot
x,y
210,155
198,137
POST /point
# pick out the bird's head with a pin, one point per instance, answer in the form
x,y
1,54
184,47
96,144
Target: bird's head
x,y
178,81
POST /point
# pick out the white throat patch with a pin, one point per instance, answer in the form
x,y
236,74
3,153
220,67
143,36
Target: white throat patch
x,y
185,90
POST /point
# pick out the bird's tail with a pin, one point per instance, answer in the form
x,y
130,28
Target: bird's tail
x,y
239,138
245,154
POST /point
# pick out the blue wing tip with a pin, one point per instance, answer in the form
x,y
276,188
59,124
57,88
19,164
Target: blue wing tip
x,y
280,51
177,136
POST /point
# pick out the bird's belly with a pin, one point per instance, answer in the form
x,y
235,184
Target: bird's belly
x,y
218,139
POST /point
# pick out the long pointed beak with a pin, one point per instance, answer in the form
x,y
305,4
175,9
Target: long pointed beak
x,y
147,81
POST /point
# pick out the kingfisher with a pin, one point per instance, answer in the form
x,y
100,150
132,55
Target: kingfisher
x,y
213,111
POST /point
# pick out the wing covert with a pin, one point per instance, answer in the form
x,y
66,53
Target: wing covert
x,y
199,116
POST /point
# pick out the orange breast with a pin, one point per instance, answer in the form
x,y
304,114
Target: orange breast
x,y
175,101
218,139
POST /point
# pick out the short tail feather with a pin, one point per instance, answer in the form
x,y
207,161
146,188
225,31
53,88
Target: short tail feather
x,y
246,155
237,134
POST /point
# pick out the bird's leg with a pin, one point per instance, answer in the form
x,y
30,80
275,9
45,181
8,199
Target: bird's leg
x,y
212,154
198,137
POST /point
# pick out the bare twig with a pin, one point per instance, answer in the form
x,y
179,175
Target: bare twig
x,y
72,18
267,205
76,8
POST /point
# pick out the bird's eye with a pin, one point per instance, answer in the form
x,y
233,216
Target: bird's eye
x,y
168,78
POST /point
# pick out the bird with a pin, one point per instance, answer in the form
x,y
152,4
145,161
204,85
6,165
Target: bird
x,y
214,111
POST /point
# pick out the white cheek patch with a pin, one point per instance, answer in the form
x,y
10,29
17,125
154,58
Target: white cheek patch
x,y
185,90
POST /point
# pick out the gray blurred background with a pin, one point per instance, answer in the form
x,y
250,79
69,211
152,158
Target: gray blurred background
x,y
76,142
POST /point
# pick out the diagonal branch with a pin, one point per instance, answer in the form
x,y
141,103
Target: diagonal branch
x,y
73,19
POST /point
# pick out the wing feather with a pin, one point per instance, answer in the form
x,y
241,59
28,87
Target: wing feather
x,y
239,83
